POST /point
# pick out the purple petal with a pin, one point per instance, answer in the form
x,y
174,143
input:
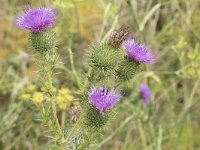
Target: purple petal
x,y
145,93
139,53
111,100
37,20
103,100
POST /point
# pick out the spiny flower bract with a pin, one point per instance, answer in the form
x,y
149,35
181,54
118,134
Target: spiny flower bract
x,y
103,99
37,19
145,93
43,41
127,69
105,57
139,53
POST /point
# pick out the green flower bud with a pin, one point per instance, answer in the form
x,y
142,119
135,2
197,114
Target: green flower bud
x,y
127,69
105,57
43,41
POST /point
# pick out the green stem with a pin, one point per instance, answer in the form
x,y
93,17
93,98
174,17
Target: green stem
x,y
55,117
127,137
193,92
160,138
50,90
73,67
49,62
116,131
135,19
142,134
49,83
63,119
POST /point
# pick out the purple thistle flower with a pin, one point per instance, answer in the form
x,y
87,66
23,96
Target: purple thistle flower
x,y
102,99
37,19
145,93
139,53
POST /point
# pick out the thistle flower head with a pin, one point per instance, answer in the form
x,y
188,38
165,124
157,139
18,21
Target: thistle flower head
x,y
37,19
145,93
102,99
139,53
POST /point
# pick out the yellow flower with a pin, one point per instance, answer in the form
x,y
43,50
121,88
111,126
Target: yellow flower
x,y
38,98
63,106
191,55
64,91
64,98
62,102
60,99
191,72
25,96
44,89
31,88
76,103
69,97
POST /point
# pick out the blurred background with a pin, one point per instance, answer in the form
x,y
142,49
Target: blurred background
x,y
169,27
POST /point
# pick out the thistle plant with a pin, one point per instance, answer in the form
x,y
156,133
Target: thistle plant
x,y
110,66
40,22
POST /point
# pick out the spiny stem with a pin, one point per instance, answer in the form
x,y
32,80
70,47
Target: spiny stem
x,y
50,90
55,117
48,63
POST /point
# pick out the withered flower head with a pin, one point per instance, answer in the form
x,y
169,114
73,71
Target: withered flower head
x,y
118,37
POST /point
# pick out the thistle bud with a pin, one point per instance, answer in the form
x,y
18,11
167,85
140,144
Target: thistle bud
x,y
105,57
43,41
118,37
127,69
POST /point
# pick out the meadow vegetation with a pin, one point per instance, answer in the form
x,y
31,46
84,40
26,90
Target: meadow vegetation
x,y
171,121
